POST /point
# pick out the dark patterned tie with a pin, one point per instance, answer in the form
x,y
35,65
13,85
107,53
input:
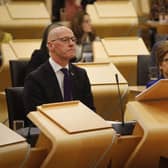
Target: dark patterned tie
x,y
67,85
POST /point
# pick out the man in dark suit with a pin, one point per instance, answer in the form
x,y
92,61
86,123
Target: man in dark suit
x,y
46,83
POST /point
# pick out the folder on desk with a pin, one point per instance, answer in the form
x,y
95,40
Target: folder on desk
x,y
157,91
73,117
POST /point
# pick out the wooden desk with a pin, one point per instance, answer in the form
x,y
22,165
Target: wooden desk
x,y
122,52
13,148
152,117
161,28
104,88
142,7
67,146
108,20
134,91
20,22
14,50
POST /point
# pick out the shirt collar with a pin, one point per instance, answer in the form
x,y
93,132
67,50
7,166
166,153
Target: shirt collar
x,y
56,67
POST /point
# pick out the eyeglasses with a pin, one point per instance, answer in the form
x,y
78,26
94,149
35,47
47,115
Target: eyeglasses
x,y
65,39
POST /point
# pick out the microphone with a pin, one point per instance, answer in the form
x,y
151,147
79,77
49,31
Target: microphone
x,y
122,128
120,99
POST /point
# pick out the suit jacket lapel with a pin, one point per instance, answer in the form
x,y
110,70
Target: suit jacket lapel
x,y
52,83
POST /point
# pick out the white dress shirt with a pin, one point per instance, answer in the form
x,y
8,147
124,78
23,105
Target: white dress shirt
x,y
59,74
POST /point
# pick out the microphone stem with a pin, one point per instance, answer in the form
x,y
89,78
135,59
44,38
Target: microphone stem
x,y
120,100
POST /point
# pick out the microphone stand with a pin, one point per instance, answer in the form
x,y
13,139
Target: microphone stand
x,y
122,128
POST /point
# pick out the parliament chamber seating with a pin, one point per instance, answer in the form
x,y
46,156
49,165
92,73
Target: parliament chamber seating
x,y
20,22
15,50
113,18
138,150
18,72
122,52
105,89
15,106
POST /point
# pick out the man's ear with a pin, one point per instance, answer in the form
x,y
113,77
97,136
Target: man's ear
x,y
49,44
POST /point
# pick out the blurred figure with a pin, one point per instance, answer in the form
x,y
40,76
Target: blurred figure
x,y
82,28
161,54
85,2
39,56
57,6
64,10
71,8
4,38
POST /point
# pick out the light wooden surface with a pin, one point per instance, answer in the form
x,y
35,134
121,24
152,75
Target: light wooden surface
x,y
13,148
142,7
102,73
134,91
18,45
3,108
21,27
113,9
123,148
125,46
79,149
9,137
21,10
157,91
114,22
123,55
16,49
152,117
77,124
104,88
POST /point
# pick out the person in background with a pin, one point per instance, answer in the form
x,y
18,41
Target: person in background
x,y
82,28
46,84
64,10
57,6
71,8
161,54
4,38
39,56
84,3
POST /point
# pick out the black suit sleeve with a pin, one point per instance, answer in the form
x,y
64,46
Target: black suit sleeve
x,y
87,96
38,57
33,94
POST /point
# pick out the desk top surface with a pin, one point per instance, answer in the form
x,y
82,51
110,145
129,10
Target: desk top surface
x,y
8,136
102,73
101,15
73,117
21,10
17,47
124,46
112,9
7,21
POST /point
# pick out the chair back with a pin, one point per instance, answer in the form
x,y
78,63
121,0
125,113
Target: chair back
x,y
143,63
15,106
18,72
